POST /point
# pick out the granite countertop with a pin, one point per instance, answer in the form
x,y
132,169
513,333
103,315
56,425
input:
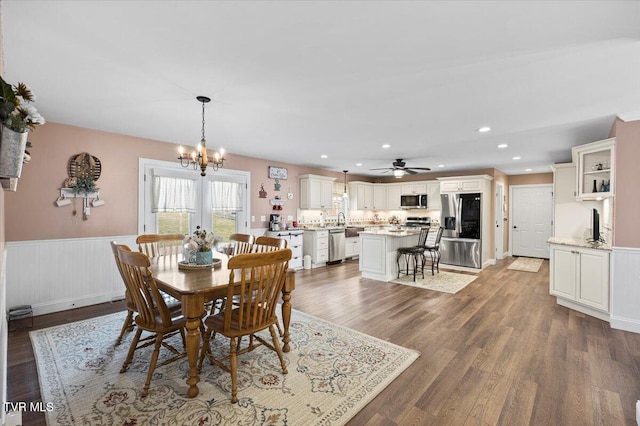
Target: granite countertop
x,y
392,233
578,242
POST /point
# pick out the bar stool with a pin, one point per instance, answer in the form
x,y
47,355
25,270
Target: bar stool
x,y
414,252
432,245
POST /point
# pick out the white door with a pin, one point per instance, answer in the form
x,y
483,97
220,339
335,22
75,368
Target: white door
x,y
531,222
499,214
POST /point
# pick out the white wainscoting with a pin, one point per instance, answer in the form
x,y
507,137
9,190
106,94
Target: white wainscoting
x,y
56,275
625,289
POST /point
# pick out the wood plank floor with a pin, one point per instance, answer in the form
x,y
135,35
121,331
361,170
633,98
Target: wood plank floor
x,y
498,352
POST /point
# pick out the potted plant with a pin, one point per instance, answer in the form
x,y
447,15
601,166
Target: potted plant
x,y
18,117
198,247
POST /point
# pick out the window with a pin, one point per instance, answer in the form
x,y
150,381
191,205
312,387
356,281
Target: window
x,y
176,200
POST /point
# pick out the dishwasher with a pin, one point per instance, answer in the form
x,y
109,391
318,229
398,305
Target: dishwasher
x,y
336,245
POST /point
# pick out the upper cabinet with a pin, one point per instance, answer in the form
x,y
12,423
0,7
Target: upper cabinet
x,y
411,188
316,192
463,184
367,196
393,196
595,174
433,196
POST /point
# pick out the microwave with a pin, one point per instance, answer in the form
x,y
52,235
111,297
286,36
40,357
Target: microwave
x,y
414,201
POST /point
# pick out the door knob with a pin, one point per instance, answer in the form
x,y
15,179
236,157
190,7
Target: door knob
x,y
514,227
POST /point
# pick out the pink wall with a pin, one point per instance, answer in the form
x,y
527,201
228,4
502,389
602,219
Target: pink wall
x,y
627,199
531,179
32,215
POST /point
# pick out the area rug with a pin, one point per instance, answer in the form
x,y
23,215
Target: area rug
x,y
446,282
333,373
526,264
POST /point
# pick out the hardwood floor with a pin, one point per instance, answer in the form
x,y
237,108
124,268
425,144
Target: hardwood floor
x,y
498,352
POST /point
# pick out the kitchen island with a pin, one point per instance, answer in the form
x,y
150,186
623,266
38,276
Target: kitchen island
x,y
378,252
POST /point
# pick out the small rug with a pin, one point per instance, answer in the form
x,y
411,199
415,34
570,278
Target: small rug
x,y
333,373
446,282
526,264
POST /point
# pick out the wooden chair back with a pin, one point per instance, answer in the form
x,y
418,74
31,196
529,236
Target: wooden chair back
x,y
243,243
154,245
259,279
114,248
153,313
264,243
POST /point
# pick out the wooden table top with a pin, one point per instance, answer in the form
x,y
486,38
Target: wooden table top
x,y
193,281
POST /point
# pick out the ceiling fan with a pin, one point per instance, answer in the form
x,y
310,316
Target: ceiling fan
x,y
400,170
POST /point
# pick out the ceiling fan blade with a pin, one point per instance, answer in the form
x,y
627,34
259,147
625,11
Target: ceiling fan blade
x,y
411,172
420,168
383,168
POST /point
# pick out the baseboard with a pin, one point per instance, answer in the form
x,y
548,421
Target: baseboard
x,y
489,262
63,305
625,324
638,412
584,309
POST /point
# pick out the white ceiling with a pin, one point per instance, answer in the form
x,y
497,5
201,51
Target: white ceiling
x,y
293,80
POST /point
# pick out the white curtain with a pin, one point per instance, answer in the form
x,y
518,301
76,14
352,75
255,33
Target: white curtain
x,y
226,196
173,195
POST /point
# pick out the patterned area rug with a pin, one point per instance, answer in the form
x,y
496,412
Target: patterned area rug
x,y
333,373
447,282
526,264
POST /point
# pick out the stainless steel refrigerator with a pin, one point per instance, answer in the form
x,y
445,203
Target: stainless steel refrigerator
x,y
461,242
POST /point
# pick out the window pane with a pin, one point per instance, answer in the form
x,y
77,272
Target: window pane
x,y
173,223
224,224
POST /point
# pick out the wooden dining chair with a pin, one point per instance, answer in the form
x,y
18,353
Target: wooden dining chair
x,y
131,306
153,314
242,243
264,243
154,245
258,278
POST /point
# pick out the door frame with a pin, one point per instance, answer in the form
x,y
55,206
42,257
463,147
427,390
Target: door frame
x,y
511,187
499,216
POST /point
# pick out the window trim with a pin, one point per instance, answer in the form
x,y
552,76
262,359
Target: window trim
x,y
174,169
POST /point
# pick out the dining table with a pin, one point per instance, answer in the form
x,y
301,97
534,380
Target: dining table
x,y
196,286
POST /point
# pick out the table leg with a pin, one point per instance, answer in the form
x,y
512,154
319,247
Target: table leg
x,y
193,308
290,284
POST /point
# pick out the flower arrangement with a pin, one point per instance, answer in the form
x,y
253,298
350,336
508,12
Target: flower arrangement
x,y
394,220
16,110
201,240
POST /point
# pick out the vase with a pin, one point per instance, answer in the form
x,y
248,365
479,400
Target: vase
x,y
12,146
204,257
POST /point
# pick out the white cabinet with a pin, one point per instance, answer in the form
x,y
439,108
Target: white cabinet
x,y
295,242
316,192
367,196
462,184
411,188
316,245
595,169
393,196
433,196
352,247
379,196
579,277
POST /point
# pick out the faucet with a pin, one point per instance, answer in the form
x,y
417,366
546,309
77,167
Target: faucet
x,y
344,219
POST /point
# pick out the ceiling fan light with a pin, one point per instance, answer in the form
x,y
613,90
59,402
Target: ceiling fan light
x,y
398,173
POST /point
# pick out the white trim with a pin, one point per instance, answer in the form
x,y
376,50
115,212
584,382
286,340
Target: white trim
x,y
582,308
624,290
629,116
498,206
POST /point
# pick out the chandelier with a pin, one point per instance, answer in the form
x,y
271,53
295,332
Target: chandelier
x,y
200,157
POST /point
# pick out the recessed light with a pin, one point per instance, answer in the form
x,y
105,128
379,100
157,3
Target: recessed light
x,y
358,164
386,146
516,158
324,156
484,129
528,170
440,165
503,146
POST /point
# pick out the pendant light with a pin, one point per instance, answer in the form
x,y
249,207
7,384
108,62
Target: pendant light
x,y
200,157
345,194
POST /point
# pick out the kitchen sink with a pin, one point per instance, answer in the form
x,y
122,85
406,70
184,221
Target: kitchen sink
x,y
353,231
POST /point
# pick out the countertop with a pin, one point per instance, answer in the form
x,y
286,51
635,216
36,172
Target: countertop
x,y
392,233
578,242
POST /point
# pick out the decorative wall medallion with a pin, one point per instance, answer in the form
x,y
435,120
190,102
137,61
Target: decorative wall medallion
x,y
263,193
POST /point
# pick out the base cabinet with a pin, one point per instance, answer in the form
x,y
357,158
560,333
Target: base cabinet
x,y
295,241
352,247
580,279
316,245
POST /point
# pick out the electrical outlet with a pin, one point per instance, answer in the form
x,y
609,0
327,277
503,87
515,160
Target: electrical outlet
x,y
290,217
263,218
253,218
